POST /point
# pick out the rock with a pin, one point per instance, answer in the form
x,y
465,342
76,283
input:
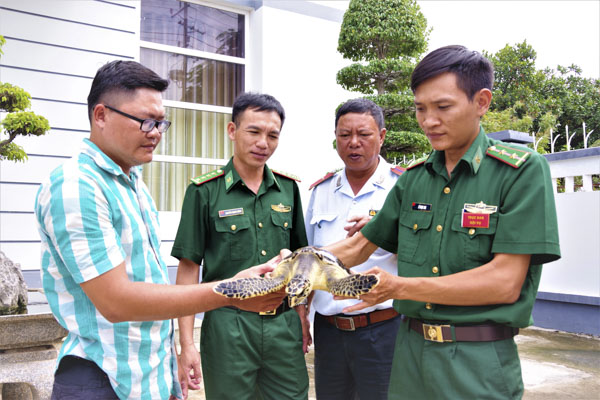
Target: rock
x,y
13,290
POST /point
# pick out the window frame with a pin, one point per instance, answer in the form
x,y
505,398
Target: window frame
x,y
209,56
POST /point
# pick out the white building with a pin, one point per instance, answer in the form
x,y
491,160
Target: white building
x,y
210,51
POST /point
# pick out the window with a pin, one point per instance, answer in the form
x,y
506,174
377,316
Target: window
x,y
201,50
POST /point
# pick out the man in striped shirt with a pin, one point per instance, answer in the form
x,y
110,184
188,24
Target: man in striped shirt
x,y
102,272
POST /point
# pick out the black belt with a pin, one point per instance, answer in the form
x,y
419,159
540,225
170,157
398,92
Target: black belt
x,y
351,322
283,307
473,333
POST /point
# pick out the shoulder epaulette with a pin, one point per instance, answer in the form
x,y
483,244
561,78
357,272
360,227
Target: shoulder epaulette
x,y
209,176
514,157
323,179
398,170
417,162
286,175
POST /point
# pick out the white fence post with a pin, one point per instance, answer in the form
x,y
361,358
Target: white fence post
x,y
586,136
552,141
569,137
569,184
587,183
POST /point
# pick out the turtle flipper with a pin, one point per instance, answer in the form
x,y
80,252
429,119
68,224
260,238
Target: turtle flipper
x,y
354,285
245,288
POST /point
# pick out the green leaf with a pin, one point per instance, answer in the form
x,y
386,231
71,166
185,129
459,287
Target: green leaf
x,y
385,39
376,29
13,98
12,152
25,123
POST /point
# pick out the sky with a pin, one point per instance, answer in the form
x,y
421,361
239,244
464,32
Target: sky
x,y
561,32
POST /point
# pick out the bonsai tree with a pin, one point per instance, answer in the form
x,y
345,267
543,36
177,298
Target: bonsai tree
x,y
385,39
15,101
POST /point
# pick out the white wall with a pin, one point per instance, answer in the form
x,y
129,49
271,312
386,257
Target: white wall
x,y
298,65
55,54
578,270
53,49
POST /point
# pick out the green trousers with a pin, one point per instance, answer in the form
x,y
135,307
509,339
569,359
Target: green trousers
x,y
248,356
458,370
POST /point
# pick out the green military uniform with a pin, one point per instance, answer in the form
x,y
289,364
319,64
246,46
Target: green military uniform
x,y
499,199
228,228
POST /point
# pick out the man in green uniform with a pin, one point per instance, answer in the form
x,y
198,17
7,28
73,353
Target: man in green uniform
x,y
232,218
471,224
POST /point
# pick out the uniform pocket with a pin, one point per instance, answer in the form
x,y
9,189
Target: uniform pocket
x,y
319,224
235,230
476,243
283,221
318,219
412,228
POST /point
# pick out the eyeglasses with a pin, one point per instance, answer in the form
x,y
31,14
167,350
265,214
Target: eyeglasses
x,y
146,125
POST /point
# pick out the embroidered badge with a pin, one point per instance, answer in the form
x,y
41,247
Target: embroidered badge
x,y
281,208
480,207
231,212
514,157
209,176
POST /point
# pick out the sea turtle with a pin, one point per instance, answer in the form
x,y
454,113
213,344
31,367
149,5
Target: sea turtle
x,y
304,270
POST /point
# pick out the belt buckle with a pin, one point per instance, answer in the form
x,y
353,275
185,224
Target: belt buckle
x,y
271,312
433,333
351,319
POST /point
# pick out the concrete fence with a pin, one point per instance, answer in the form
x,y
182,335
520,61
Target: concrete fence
x,y
569,293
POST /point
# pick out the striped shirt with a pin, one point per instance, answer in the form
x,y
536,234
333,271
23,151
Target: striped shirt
x,y
91,218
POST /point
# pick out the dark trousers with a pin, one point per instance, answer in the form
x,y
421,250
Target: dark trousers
x,y
77,378
354,364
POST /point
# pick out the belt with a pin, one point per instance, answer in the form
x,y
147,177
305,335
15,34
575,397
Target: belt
x,y
475,333
351,322
283,307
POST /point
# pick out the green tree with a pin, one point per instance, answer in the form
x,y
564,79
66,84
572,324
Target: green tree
x,y
517,83
385,39
532,100
578,101
15,101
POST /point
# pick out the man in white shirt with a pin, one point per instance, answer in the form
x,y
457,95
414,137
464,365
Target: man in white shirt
x,y
353,353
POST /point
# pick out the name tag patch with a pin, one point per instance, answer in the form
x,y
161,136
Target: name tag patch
x,y
421,206
231,212
475,220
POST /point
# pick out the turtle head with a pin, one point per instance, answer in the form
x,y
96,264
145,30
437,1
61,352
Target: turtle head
x,y
298,289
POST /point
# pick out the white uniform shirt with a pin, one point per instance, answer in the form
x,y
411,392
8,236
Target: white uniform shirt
x,y
332,202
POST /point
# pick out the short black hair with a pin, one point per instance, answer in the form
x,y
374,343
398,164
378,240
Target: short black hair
x,y
361,106
472,70
122,76
257,102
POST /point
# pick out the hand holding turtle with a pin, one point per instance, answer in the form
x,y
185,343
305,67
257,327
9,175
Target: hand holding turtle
x,y
262,269
383,291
